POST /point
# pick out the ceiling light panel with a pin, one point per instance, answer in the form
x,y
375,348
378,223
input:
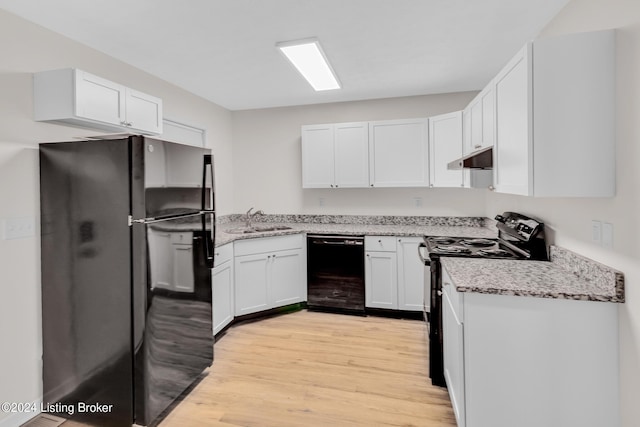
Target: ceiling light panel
x,y
309,59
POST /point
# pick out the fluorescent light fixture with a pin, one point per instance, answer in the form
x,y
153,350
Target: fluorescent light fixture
x,y
309,59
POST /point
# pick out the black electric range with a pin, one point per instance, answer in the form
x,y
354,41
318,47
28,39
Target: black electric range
x,y
519,237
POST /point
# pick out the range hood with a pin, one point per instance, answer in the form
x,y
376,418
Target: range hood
x,y
480,159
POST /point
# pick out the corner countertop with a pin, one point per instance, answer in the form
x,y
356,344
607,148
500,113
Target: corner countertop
x,y
222,237
566,276
346,225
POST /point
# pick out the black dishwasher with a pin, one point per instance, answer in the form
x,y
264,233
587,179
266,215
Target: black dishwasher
x,y
335,273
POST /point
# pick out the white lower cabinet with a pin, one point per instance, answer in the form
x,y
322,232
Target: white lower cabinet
x,y
222,287
269,272
530,362
453,349
410,274
171,260
381,280
394,275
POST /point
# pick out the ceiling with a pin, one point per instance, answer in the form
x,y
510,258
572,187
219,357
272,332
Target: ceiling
x,y
224,50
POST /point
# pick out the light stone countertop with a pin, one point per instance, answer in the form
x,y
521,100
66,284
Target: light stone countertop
x,y
345,225
355,230
542,279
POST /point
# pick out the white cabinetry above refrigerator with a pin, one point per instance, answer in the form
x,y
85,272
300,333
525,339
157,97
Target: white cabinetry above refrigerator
x,y
82,99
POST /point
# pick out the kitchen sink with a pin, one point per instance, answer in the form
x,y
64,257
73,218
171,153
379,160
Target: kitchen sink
x,y
250,230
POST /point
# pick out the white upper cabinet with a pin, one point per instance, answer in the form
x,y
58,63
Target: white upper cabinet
x,y
97,98
399,153
472,178
482,119
143,112
83,99
317,156
445,145
335,155
555,123
351,154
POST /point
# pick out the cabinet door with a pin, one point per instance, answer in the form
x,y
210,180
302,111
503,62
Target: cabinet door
x,y
222,295
251,284
398,153
317,156
160,259
445,137
453,353
143,112
287,279
183,268
476,123
487,98
381,280
410,275
512,152
100,99
351,154
466,144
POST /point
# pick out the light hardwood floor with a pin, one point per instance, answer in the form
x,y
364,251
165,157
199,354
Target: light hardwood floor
x,y
317,369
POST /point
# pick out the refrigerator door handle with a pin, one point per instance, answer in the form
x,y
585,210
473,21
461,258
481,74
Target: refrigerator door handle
x,y
209,237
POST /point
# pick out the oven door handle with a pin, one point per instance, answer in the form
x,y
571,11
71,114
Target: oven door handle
x,y
425,261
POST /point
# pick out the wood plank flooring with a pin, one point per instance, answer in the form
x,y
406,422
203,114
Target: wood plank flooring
x,y
317,369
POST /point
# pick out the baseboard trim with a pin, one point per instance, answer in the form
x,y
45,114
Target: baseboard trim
x,y
16,419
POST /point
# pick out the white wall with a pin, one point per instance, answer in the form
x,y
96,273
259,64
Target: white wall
x,y
268,172
570,219
26,48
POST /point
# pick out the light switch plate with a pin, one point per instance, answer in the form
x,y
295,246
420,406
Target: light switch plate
x,y
18,228
607,235
596,232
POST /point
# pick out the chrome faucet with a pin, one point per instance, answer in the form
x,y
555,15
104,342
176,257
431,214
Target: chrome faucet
x,y
249,216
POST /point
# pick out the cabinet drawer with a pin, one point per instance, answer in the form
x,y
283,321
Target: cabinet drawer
x,y
380,243
222,254
185,238
454,296
268,244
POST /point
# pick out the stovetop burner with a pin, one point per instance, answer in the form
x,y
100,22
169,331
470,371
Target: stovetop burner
x,y
468,247
478,242
495,253
444,240
451,249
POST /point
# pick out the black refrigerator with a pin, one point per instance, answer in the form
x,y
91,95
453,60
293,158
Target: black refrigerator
x,y
127,229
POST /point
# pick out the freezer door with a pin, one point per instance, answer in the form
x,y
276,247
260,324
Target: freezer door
x,y
173,177
172,316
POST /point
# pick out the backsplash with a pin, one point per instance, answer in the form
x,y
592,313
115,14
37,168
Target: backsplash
x,y
360,219
600,275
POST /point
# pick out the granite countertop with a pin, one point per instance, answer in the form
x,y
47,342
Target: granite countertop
x,y
354,229
340,224
566,276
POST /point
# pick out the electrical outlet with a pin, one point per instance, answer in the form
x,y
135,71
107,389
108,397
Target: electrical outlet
x,y
607,235
18,228
417,201
596,232
320,201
